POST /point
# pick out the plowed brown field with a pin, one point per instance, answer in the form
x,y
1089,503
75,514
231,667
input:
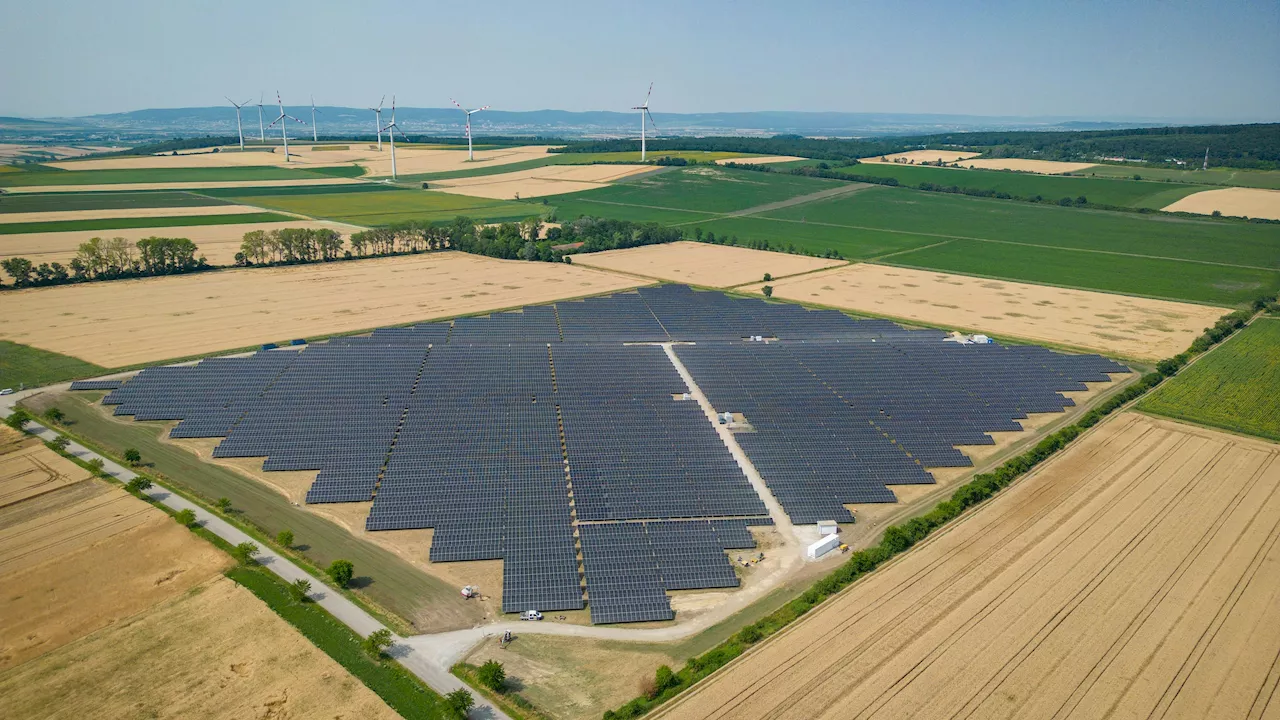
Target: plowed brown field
x,y
1136,575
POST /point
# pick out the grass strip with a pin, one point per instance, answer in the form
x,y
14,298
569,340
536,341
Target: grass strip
x,y
23,365
399,688
510,702
144,222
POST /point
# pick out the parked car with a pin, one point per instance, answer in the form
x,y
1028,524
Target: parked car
x,y
6,391
530,615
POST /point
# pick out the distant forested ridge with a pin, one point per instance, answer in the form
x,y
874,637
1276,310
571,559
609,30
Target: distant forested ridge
x,y
835,150
1243,146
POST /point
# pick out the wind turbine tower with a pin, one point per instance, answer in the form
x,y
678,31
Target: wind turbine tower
x,y
284,133
239,127
470,154
392,129
377,117
644,113
315,136
262,134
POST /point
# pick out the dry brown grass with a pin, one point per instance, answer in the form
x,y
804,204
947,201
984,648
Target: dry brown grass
x,y
215,652
703,263
218,243
1131,576
1042,167
134,321
28,468
1236,201
1131,327
538,182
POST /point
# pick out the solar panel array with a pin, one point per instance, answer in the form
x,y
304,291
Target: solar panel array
x,y
96,384
539,435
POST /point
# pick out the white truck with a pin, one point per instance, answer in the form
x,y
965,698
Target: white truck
x,y
823,546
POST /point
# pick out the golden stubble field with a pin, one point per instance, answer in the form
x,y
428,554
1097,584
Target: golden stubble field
x,y
128,322
1236,201
971,160
703,264
1131,327
1132,576
217,243
760,160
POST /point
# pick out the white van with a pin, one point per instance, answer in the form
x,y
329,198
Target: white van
x,y
530,615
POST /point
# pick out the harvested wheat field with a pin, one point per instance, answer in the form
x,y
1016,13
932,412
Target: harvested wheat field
x,y
215,652
217,243
28,468
86,555
702,263
917,157
112,213
538,182
136,321
195,185
1042,167
760,160
1132,576
1131,327
1236,201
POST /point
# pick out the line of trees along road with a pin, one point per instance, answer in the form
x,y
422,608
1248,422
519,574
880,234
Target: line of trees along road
x,y
100,259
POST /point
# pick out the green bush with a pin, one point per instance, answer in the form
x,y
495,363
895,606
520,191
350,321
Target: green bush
x,y
185,517
492,675
341,572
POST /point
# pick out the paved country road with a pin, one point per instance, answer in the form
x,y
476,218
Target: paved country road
x,y
418,656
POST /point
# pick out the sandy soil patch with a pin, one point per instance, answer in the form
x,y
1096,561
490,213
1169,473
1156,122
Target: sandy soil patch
x,y
760,160
917,157
1128,577
134,321
217,652
28,468
1236,201
1132,327
550,180
703,263
112,213
217,243
86,556
128,187
1043,167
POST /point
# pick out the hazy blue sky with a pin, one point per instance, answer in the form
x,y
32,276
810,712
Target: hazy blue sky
x,y
1213,59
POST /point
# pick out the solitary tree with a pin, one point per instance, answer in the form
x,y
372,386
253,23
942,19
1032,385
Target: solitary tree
x,y
185,517
60,443
284,538
492,675
17,419
299,589
224,504
377,642
96,465
132,456
53,415
665,678
768,277
767,290
341,571
138,484
460,702
243,553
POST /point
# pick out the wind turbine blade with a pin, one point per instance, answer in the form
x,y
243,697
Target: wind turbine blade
x,y
650,116
273,122
455,102
384,99
233,102
646,97
486,107
293,119
397,129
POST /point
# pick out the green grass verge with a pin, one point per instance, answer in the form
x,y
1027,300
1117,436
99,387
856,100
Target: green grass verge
x,y
155,175
398,687
33,367
1237,387
251,193
1104,191
381,208
143,222
54,202
342,171
387,581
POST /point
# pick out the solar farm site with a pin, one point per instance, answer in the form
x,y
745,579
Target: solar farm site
x,y
561,439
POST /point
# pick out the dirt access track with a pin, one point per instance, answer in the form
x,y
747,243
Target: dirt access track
x,y
1131,327
703,264
1236,201
127,322
1131,576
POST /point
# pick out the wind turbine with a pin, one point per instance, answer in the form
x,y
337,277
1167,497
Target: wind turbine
x,y
470,155
377,116
262,134
392,128
315,137
283,131
239,128
644,112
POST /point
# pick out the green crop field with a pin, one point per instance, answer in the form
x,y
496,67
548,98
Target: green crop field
x,y
344,171
33,367
573,159
1235,387
151,222
249,193
1103,191
154,175
54,202
1266,179
705,189
381,208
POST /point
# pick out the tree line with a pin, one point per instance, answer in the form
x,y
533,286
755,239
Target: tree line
x,y
837,150
100,259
